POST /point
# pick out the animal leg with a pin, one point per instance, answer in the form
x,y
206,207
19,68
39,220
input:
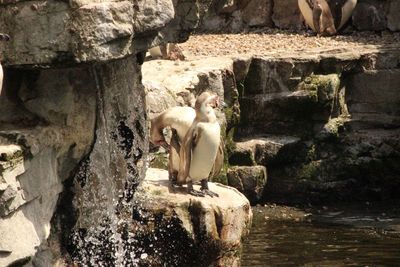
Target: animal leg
x,y
317,13
173,158
193,192
164,51
205,190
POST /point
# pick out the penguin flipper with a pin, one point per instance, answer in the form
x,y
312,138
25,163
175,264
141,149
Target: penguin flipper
x,y
185,155
174,158
219,160
204,188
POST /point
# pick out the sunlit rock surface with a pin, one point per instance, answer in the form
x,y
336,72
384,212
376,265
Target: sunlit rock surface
x,y
184,230
170,83
51,32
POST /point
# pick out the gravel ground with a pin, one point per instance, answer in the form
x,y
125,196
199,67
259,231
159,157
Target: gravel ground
x,y
265,41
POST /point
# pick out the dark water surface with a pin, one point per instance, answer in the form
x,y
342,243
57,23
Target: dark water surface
x,y
340,238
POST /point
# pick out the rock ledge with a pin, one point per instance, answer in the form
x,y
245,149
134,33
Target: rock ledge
x,y
214,226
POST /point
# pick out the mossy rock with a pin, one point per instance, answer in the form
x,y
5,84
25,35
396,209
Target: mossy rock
x,y
160,161
323,87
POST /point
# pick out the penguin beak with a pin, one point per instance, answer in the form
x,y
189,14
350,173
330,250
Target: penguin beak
x,y
214,101
218,102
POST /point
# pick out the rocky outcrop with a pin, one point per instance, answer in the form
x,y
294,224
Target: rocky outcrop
x,y
54,129
237,15
300,116
73,128
211,229
48,32
179,82
250,180
302,95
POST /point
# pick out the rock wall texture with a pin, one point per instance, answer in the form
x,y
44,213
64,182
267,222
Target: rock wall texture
x,y
73,130
239,15
325,125
47,32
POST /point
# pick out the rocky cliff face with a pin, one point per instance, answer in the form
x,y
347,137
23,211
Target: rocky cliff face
x,y
326,125
73,131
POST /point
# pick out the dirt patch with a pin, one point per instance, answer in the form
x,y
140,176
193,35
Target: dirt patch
x,y
265,41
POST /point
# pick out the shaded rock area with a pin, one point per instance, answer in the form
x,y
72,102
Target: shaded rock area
x,y
182,230
53,132
313,98
239,15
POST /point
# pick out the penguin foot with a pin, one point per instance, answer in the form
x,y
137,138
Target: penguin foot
x,y
174,185
209,193
205,190
196,193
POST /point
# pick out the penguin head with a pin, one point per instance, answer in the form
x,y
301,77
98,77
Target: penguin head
x,y
205,104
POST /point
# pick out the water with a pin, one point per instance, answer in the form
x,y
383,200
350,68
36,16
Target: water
x,y
328,239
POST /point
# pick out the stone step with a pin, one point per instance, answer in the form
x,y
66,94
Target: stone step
x,y
278,113
362,121
264,150
249,180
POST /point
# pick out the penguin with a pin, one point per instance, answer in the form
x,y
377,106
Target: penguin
x,y
3,37
201,148
169,51
326,17
179,119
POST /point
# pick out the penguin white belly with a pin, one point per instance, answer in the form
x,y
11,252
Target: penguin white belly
x,y
155,51
205,152
306,11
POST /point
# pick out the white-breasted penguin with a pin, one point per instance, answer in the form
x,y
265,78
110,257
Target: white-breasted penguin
x,y
179,119
326,17
3,37
201,147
